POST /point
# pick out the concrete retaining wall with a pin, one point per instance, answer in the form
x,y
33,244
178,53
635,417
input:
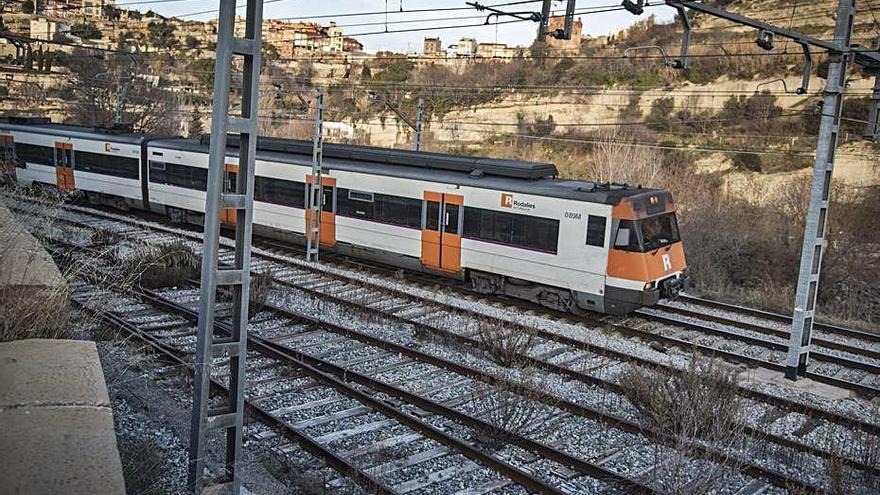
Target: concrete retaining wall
x,y
57,434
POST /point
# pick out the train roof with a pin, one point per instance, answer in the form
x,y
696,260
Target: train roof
x,y
41,125
421,166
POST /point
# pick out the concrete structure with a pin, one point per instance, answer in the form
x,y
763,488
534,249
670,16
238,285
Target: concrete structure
x,y
45,29
57,433
24,265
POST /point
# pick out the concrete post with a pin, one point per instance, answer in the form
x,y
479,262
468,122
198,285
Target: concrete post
x,y
820,195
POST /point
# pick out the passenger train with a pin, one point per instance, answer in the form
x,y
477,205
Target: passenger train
x,y
507,227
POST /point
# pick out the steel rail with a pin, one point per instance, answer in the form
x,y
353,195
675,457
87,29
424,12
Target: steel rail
x,y
768,315
610,419
789,404
335,376
776,346
311,365
724,320
178,358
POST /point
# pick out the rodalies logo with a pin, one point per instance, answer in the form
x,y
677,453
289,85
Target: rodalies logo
x,y
507,201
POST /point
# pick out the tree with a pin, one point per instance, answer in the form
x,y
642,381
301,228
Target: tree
x,y
195,126
366,73
110,12
269,51
135,15
27,7
93,87
47,61
161,34
29,58
191,41
86,31
202,69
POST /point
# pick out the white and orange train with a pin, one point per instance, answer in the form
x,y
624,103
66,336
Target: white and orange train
x,y
508,227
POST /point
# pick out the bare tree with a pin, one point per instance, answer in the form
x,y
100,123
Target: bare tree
x,y
101,85
692,408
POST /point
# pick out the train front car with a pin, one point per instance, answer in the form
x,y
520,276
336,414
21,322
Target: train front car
x,y
646,257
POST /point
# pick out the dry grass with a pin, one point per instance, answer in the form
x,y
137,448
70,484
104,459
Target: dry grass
x,y
843,479
691,408
167,265
511,408
40,313
505,344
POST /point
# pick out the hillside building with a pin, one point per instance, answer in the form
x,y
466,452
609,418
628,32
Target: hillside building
x,y
500,51
45,29
432,47
566,46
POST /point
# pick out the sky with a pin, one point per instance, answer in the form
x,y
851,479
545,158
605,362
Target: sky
x,y
512,33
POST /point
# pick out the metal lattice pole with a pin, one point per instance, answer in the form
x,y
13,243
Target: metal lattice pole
x,y
873,131
316,188
229,417
820,195
419,117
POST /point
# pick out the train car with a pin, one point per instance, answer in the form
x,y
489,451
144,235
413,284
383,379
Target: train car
x,y
508,227
103,166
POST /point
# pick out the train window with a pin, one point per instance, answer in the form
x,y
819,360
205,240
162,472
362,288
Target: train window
x,y
354,204
157,172
280,192
450,220
596,231
382,208
432,216
626,238
540,234
31,153
182,176
98,163
659,231
360,196
395,210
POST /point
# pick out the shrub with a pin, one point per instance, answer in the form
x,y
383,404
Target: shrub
x,y
504,344
690,408
86,31
161,266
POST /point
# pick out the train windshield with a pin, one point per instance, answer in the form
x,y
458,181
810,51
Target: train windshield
x,y
649,234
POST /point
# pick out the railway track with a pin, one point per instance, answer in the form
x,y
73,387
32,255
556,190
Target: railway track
x,y
341,415
399,305
819,327
274,339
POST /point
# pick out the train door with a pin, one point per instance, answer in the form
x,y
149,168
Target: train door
x,y
64,166
441,231
328,209
229,215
